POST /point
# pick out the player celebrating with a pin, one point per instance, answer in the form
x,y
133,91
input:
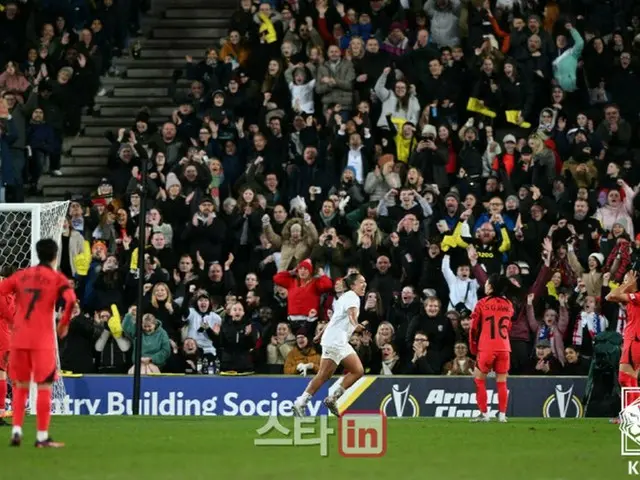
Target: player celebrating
x,y
630,358
33,340
489,341
336,349
7,309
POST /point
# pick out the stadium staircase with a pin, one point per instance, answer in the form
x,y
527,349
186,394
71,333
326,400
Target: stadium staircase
x,y
172,30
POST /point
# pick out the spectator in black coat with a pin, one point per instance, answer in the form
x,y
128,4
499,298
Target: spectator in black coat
x,y
206,233
235,339
544,363
423,361
77,353
437,327
575,364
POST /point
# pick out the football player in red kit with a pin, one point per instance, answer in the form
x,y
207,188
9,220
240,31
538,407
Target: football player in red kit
x,y
33,339
489,341
630,358
7,310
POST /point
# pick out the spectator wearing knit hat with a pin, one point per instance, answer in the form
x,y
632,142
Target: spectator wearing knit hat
x,y
303,359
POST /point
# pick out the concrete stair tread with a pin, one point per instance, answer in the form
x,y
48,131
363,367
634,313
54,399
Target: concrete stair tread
x,y
95,131
119,111
72,162
90,151
122,93
115,82
151,73
152,53
88,141
192,21
73,171
201,43
70,180
198,12
186,32
110,122
165,4
135,100
132,63
52,192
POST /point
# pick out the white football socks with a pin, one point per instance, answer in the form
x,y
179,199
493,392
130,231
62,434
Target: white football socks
x,y
338,393
304,398
42,436
16,431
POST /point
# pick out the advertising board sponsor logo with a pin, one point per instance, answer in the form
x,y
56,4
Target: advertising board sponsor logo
x,y
563,404
455,404
400,403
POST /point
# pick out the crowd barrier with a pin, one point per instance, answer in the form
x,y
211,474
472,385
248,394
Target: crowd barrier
x,y
396,396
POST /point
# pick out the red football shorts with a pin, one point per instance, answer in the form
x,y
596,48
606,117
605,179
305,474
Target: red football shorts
x,y
4,352
4,360
499,362
631,354
37,365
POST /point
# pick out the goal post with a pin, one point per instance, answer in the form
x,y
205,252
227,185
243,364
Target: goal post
x,y
21,226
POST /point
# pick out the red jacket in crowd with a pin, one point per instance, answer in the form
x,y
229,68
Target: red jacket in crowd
x,y
303,297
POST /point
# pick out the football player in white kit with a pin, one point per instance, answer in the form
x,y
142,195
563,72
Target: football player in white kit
x,y
336,349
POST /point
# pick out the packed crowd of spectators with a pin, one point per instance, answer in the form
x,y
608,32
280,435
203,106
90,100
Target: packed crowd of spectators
x,y
52,54
423,145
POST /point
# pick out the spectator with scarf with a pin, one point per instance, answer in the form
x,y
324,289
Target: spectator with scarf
x,y
553,326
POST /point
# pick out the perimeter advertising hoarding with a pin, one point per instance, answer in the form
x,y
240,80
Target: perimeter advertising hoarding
x,y
396,396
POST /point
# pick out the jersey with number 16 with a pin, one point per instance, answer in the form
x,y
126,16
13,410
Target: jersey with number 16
x,y
490,325
37,290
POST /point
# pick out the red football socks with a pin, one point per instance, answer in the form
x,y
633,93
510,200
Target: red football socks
x,y
3,393
481,394
19,405
503,396
629,381
43,410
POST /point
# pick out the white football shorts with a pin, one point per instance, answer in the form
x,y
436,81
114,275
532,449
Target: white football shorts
x,y
337,353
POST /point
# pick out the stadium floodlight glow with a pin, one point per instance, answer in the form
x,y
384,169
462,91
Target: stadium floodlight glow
x,y
21,226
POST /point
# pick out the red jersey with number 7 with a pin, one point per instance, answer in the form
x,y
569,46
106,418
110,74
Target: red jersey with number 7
x,y
37,290
490,325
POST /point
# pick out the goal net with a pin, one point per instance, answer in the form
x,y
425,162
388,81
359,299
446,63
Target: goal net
x,y
21,226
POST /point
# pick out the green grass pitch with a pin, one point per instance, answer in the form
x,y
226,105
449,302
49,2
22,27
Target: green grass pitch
x,y
190,448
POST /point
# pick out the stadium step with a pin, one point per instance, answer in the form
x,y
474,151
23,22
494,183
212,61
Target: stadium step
x,y
153,73
62,190
175,28
124,120
70,180
120,93
83,171
90,141
216,23
198,12
79,161
114,82
201,43
135,100
150,53
152,63
131,112
163,5
188,32
90,151
96,131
